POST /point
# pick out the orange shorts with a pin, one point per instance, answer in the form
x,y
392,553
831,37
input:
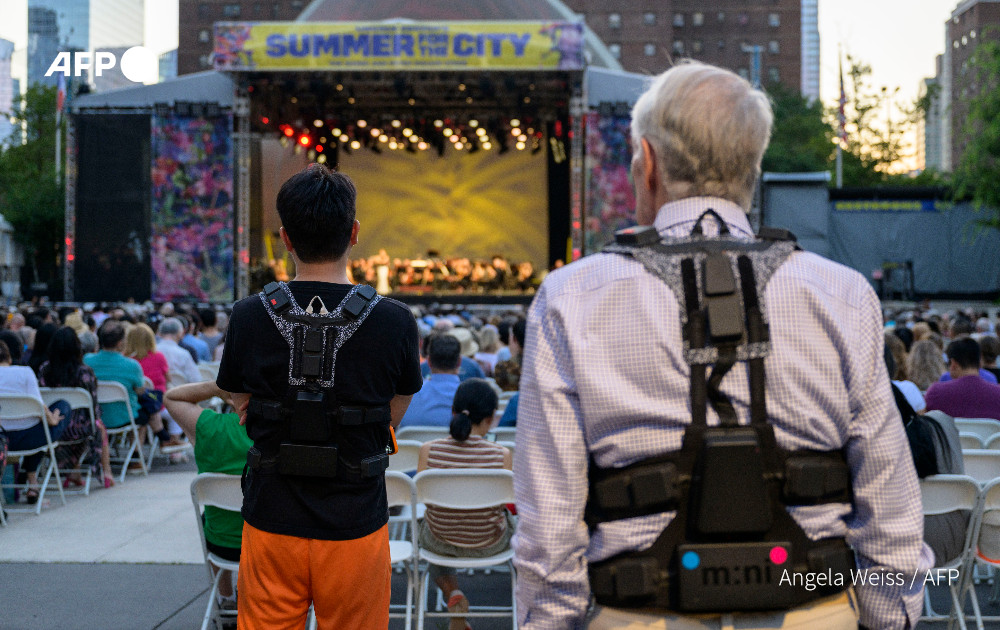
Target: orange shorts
x,y
347,581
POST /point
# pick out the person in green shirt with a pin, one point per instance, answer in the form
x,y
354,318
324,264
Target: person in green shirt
x,y
220,446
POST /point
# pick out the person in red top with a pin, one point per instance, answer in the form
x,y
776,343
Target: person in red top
x,y
140,344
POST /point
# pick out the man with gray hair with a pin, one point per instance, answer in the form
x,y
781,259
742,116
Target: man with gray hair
x,y
606,384
179,360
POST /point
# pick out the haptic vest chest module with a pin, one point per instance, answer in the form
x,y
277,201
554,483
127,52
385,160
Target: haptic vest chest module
x,y
310,413
732,538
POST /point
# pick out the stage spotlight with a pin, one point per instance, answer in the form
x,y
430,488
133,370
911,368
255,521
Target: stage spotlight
x,y
396,124
340,87
522,138
447,132
336,131
412,101
319,148
311,155
393,145
343,137
265,120
439,123
351,100
408,132
355,144
516,131
453,139
480,132
317,123
459,146
376,133
514,122
383,138
422,145
305,140
473,123
461,87
520,146
487,146
321,159
362,124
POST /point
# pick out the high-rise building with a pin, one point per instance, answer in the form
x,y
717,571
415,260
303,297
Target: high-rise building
x,y
168,65
760,40
56,26
196,17
112,79
7,93
971,22
930,153
43,44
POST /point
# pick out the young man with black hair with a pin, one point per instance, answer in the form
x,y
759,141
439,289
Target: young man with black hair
x,y
317,539
431,406
967,394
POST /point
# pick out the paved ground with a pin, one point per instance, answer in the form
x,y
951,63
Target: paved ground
x,y
129,558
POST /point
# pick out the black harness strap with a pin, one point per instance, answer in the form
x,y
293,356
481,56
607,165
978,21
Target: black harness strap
x,y
756,333
697,337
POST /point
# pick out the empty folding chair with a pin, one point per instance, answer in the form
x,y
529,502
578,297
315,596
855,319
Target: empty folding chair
x,y
942,494
422,433
401,492
504,434
982,465
986,549
78,398
223,492
114,393
404,461
993,442
465,489
983,427
971,441
16,407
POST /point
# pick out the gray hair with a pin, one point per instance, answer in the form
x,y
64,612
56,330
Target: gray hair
x,y
171,326
88,342
708,128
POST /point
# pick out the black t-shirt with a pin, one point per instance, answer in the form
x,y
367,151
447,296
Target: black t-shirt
x,y
379,361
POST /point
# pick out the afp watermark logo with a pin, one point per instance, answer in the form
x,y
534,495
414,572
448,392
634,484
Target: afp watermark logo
x,y
139,64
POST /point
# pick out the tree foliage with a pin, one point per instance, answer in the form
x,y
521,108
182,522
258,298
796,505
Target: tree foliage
x,y
31,196
801,140
976,175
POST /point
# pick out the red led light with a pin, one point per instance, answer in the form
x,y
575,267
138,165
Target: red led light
x,y
265,120
289,132
319,148
305,140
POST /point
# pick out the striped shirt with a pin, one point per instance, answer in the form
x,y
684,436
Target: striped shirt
x,y
466,528
604,376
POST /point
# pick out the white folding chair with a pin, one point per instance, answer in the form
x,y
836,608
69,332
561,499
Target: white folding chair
x,y
209,371
941,494
983,427
509,445
982,465
226,493
78,398
14,407
988,535
465,489
401,492
405,459
971,441
504,434
422,433
993,442
114,393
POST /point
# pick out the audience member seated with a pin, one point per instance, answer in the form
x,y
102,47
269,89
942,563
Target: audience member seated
x,y
65,368
25,434
489,345
431,406
15,345
140,344
191,339
967,395
109,364
896,363
40,347
220,446
507,374
990,347
925,366
468,367
465,533
211,333
509,417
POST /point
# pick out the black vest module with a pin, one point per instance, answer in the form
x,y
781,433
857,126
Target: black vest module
x,y
732,545
310,414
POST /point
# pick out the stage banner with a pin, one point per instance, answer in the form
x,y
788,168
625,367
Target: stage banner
x,y
610,199
410,46
192,208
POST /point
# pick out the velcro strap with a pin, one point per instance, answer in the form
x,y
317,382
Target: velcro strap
x,y
625,580
812,478
352,416
634,491
265,408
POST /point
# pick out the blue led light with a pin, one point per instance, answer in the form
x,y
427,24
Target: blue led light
x,y
690,560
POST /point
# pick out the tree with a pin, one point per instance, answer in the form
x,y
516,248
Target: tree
x,y
875,136
32,197
976,175
801,140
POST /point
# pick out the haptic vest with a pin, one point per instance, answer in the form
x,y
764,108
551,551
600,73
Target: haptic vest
x,y
732,538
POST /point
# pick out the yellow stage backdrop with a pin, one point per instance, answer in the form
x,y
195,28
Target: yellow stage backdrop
x,y
400,46
462,204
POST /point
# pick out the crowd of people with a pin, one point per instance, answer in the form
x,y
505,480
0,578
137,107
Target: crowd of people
x,y
434,273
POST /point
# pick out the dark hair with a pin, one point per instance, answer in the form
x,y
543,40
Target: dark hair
x,y
445,352
518,330
4,353
316,206
961,326
65,357
110,334
207,317
40,353
503,328
15,345
990,347
965,352
890,362
905,335
475,401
